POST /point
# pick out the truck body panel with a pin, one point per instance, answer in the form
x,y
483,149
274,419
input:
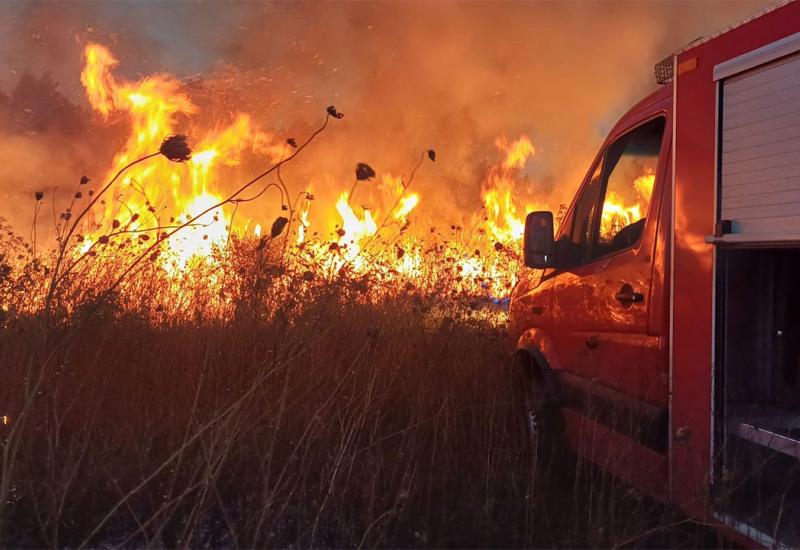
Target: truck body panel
x,y
697,158
631,324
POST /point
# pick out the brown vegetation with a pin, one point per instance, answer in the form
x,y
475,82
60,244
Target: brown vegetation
x,y
321,409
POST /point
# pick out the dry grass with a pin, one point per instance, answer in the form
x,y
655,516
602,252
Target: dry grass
x,y
273,398
259,433
346,424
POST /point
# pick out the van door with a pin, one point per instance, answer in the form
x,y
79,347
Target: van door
x,y
573,304
601,298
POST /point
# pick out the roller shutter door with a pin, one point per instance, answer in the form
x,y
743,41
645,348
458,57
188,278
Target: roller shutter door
x,y
759,149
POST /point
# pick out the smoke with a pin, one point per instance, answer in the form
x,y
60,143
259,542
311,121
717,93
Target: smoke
x,y
408,76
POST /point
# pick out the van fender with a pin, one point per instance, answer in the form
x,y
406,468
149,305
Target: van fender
x,y
535,353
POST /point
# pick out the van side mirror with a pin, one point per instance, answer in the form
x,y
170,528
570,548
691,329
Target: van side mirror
x,y
538,243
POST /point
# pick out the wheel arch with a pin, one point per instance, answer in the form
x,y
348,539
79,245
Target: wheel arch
x,y
534,356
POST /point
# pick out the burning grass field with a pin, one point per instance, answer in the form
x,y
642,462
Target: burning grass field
x,y
176,375
262,398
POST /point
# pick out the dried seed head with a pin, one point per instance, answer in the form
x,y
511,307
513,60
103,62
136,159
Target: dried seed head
x,y
176,149
39,195
308,275
84,180
432,155
333,112
277,226
364,171
292,142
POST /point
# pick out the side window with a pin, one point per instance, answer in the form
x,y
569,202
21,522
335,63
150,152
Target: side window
x,y
575,243
629,174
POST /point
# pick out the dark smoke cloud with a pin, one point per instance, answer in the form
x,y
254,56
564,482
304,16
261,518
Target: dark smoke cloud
x,y
409,76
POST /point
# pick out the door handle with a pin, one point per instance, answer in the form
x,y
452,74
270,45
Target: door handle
x,y
627,296
634,297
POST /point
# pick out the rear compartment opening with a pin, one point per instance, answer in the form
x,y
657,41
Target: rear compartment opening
x,y
757,416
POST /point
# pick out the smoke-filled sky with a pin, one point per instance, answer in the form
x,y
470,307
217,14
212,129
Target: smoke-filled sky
x,y
408,75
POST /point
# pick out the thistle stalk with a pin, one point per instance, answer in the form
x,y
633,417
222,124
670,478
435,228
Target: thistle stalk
x,y
64,245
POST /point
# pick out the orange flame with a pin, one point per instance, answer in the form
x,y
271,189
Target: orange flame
x,y
407,204
158,190
153,105
305,223
617,214
505,215
355,229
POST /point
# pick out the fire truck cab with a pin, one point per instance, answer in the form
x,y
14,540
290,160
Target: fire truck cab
x,y
658,328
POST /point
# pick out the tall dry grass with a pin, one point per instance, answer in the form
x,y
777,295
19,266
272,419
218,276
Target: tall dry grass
x,y
347,424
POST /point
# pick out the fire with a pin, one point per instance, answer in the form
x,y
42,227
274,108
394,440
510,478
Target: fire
x,y
518,152
159,189
354,228
504,212
407,204
381,236
205,232
644,186
304,224
619,213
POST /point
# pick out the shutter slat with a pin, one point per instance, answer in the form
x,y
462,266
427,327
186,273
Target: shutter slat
x,y
757,188
775,197
765,136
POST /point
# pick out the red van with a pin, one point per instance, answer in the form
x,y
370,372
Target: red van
x,y
658,330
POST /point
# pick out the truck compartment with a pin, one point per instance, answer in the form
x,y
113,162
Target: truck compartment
x,y
758,390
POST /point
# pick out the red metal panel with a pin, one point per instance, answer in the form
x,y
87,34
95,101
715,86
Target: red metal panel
x,y
618,455
695,123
